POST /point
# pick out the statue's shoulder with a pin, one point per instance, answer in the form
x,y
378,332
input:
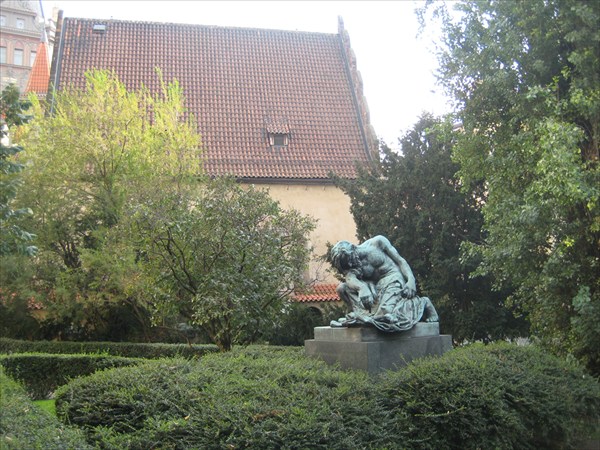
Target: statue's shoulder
x,y
380,240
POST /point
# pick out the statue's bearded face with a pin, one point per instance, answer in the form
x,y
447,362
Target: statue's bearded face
x,y
344,257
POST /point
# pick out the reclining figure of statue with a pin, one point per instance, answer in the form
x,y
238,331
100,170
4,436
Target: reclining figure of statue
x,y
379,287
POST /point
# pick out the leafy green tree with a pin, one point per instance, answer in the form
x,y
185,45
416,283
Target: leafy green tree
x,y
224,257
413,198
13,238
526,80
97,152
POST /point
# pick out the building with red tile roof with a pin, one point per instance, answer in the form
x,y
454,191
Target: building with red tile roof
x,y
283,109
21,26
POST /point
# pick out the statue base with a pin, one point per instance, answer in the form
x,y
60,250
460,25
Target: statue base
x,y
367,348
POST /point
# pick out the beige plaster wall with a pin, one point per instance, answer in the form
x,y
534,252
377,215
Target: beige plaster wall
x,y
330,206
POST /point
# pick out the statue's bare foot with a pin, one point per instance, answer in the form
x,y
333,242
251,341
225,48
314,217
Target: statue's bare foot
x,y
430,312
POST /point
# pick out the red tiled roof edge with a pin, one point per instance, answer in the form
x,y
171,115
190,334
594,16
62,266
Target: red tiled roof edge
x,y
319,293
371,141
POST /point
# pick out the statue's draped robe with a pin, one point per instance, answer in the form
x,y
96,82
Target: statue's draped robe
x,y
393,312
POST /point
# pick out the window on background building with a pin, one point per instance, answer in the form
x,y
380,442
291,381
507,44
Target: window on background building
x,y
2,21
31,58
2,55
18,57
278,140
20,23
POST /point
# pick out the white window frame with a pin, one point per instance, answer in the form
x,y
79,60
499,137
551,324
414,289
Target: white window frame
x,y
20,52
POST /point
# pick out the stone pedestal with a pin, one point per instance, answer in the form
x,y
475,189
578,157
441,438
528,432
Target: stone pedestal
x,y
369,349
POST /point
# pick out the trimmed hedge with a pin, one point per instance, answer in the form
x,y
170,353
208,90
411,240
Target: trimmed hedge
x,y
495,396
126,349
275,399
41,374
25,426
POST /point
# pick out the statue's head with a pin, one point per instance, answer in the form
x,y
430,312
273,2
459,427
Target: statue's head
x,y
344,257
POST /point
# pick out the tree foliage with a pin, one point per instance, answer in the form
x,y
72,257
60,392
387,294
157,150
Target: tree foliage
x,y
98,149
223,257
413,198
13,238
526,80
97,152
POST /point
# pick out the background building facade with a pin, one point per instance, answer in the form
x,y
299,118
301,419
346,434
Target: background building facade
x,y
21,30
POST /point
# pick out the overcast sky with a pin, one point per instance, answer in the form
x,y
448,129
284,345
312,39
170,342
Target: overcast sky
x,y
397,67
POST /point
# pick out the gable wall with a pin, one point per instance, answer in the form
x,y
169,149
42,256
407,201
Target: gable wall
x,y
330,206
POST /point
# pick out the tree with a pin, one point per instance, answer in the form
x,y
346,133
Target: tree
x,y
526,80
13,238
224,257
413,198
98,151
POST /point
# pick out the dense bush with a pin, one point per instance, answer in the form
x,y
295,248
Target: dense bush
x,y
297,323
495,396
258,398
127,349
42,373
24,426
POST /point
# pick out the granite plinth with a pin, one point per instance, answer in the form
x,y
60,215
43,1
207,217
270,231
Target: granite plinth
x,y
369,349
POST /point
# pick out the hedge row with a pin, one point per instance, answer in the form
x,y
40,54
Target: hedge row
x,y
24,426
41,374
127,349
497,396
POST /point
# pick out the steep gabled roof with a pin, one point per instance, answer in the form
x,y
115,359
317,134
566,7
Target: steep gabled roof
x,y
40,72
242,84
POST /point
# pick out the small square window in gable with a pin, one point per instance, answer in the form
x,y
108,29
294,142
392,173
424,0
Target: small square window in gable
x,y
278,135
278,139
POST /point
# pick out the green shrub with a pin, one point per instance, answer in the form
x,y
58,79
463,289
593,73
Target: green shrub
x,y
127,349
495,396
255,398
297,323
24,426
42,373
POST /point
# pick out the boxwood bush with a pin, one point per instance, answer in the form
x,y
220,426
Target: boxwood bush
x,y
24,426
42,373
275,399
127,349
495,396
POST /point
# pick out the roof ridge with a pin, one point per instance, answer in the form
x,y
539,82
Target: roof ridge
x,y
230,27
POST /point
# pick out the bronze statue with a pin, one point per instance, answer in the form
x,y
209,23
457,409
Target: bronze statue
x,y
379,287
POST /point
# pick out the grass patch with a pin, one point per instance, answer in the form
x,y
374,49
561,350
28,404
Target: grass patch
x,y
47,405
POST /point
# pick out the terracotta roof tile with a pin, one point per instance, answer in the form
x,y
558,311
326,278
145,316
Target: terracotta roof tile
x,y
40,72
319,293
241,84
